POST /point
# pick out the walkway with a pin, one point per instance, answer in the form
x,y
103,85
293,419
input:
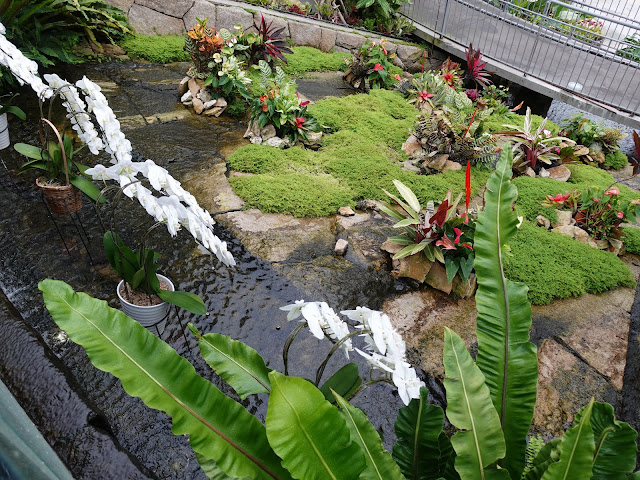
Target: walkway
x,y
540,59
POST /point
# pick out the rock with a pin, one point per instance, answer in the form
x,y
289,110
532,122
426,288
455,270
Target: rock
x,y
350,41
398,63
410,166
464,289
221,102
543,221
414,266
617,247
346,211
341,247
198,106
347,222
559,173
530,172
275,22
188,103
175,8
313,138
112,50
201,9
269,131
146,21
543,173
436,163
602,244
451,166
195,85
576,233
256,140
580,150
183,86
123,5
214,112
252,130
274,142
368,205
205,96
209,104
565,217
412,146
409,53
437,278
186,97
303,34
227,17
420,317
328,39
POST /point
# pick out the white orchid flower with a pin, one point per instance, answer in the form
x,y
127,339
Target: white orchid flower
x,y
405,379
313,316
100,172
293,309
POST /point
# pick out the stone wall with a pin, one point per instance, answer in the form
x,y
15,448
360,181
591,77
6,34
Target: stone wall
x,y
163,17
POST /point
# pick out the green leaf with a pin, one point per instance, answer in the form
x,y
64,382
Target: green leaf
x,y
121,258
479,442
406,222
86,187
576,451
30,151
451,267
505,356
218,427
309,434
418,428
238,364
408,195
466,266
401,240
212,471
380,465
390,212
345,381
615,441
17,111
186,300
545,457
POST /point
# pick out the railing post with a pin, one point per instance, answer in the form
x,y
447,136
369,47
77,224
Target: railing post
x,y
444,18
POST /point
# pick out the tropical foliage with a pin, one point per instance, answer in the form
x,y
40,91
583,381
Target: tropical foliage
x,y
371,67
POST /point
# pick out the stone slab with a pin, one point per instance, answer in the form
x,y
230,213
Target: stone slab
x,y
146,21
201,9
350,41
175,8
303,34
123,5
328,39
227,17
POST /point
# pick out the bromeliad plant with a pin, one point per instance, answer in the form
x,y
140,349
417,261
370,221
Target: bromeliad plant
x,y
371,67
268,44
138,269
279,104
476,74
490,401
439,234
599,212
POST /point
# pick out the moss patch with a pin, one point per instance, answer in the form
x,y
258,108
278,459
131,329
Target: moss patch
x,y
616,160
632,240
309,59
556,266
156,48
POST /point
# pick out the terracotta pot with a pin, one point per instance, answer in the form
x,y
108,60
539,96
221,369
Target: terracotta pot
x,y
147,315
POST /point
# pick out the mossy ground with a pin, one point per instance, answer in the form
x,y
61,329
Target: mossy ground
x,y
616,160
308,59
156,48
632,240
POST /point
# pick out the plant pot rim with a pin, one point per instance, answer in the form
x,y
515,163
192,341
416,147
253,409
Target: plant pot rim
x,y
160,277
41,183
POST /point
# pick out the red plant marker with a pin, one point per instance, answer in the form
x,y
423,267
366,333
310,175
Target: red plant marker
x,y
467,185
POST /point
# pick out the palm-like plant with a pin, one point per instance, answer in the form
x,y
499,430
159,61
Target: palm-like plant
x,y
475,66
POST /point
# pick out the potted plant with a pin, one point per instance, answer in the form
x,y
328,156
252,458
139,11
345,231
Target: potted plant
x,y
64,180
4,125
144,294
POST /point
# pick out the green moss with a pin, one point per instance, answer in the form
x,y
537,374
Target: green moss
x,y
556,266
632,240
308,59
299,195
584,176
496,123
616,160
156,48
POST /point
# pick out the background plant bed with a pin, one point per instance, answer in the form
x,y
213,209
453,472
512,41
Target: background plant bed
x,y
419,268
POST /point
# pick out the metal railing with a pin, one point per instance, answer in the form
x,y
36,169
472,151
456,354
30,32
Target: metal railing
x,y
588,47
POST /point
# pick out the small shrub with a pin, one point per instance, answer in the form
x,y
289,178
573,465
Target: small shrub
x,y
616,160
156,48
632,240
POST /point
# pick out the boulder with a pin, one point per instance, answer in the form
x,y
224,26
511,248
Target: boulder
x,y
616,246
303,34
350,41
412,146
269,131
346,211
205,96
464,289
123,5
368,205
112,50
414,266
437,278
565,218
276,142
227,17
146,21
437,162
256,140
313,138
328,39
183,86
209,104
341,247
559,173
576,233
201,9
451,166
543,221
214,112
543,173
530,172
175,8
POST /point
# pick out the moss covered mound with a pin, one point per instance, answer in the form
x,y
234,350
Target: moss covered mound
x,y
616,160
632,240
156,48
309,59
556,266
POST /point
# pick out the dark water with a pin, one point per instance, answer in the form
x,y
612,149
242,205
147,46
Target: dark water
x,y
243,302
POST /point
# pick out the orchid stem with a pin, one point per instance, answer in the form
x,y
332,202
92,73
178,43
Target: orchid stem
x,y
367,384
335,347
287,345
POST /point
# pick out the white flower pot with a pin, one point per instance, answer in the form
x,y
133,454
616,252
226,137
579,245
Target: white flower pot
x,y
4,132
145,315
